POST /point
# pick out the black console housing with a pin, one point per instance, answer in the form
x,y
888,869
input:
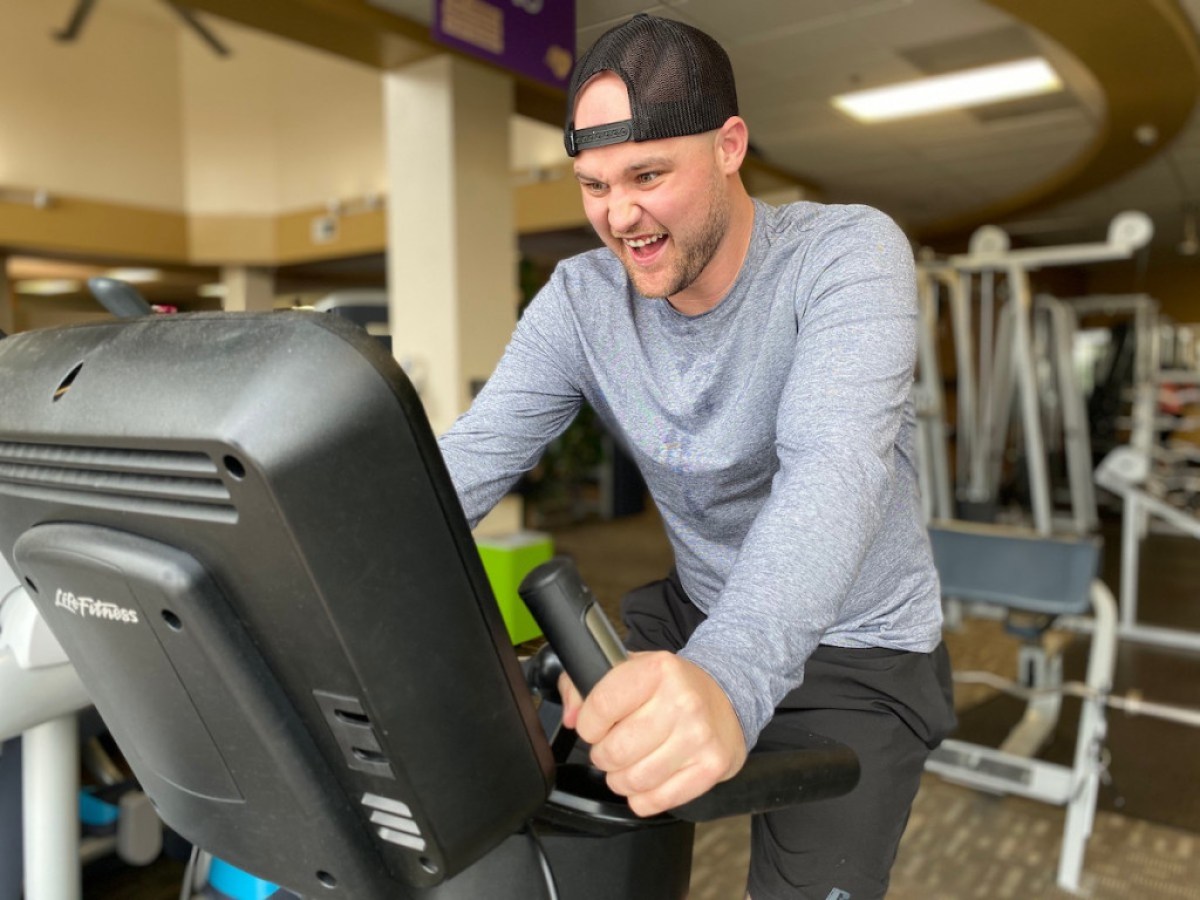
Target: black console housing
x,y
242,532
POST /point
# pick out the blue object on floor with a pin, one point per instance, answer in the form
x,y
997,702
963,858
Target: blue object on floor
x,y
231,882
96,813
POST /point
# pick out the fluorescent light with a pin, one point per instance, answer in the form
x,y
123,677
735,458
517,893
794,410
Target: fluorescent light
x,y
47,287
958,90
135,276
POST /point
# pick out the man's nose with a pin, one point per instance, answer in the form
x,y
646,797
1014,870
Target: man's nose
x,y
623,213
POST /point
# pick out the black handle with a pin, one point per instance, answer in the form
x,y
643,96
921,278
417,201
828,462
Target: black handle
x,y
572,621
119,298
541,673
774,779
813,768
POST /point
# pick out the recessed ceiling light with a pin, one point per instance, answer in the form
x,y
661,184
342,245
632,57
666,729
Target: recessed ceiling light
x,y
957,90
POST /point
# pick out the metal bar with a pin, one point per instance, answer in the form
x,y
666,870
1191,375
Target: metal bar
x,y
1035,453
987,337
998,405
1127,233
50,785
1078,444
1130,541
1081,808
968,434
988,769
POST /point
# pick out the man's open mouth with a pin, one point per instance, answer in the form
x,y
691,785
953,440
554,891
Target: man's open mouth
x,y
646,247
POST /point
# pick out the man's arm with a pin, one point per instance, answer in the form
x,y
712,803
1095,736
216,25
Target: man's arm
x,y
529,400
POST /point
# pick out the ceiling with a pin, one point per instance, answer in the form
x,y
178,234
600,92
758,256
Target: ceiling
x,y
791,56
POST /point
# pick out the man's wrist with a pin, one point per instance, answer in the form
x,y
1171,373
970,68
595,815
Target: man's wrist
x,y
738,691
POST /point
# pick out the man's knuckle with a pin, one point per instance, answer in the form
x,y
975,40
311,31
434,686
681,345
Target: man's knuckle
x,y
639,782
588,727
690,703
621,784
618,746
602,705
711,768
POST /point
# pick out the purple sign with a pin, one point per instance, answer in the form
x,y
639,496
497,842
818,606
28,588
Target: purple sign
x,y
535,38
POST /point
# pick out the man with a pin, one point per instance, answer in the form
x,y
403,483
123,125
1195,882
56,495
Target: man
x,y
757,364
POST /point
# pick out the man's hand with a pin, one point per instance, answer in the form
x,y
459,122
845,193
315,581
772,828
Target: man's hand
x,y
661,728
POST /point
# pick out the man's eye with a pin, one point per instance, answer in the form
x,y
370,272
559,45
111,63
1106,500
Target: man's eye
x,y
594,187
647,177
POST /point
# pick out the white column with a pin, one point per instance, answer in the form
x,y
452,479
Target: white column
x,y
452,256
451,241
248,289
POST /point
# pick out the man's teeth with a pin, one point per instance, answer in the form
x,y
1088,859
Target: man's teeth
x,y
637,243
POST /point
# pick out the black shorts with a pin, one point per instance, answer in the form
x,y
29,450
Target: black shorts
x,y
890,706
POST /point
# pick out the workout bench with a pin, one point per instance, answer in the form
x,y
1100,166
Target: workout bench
x,y
1027,573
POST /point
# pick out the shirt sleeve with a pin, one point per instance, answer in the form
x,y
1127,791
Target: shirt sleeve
x,y
836,432
529,400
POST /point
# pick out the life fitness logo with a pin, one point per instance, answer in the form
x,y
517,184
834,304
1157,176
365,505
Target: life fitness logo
x,y
90,607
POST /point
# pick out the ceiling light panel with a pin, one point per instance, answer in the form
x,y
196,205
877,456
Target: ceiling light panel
x,y
959,90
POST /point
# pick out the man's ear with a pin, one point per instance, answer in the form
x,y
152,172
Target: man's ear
x,y
733,140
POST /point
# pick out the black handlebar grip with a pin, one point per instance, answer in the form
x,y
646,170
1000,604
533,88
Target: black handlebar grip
x,y
572,621
119,298
542,671
769,780
584,640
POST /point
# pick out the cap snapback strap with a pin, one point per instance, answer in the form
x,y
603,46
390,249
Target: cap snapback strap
x,y
598,135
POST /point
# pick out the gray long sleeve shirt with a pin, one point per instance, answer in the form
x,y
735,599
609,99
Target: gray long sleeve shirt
x,y
775,433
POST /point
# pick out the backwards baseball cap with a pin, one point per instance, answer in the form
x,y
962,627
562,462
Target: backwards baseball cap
x,y
680,82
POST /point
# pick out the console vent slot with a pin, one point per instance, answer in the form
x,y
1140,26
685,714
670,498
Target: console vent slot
x,y
352,728
156,482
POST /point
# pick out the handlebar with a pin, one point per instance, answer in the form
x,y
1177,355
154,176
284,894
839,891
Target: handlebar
x,y
119,298
583,638
573,622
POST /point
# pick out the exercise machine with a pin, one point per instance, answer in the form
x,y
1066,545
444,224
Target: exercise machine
x,y
1016,569
274,598
1124,393
997,366
1126,472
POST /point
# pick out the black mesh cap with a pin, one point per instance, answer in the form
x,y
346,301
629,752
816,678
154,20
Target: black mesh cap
x,y
680,82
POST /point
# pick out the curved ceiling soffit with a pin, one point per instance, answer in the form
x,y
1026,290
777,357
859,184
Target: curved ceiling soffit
x,y
1145,58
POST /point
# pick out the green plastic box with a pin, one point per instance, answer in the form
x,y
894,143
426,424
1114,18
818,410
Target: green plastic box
x,y
507,559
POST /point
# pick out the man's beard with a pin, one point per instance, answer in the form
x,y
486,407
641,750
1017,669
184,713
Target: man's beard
x,y
696,251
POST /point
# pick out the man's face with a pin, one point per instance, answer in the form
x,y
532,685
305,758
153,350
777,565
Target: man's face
x,y
660,206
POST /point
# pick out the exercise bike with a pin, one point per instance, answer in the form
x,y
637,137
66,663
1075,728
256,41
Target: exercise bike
x,y
241,531
40,694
